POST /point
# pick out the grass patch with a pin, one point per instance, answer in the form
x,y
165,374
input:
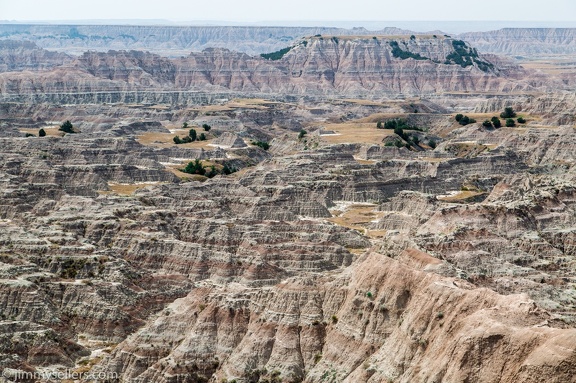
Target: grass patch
x,y
127,189
356,132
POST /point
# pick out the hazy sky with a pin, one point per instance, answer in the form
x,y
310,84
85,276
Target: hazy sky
x,y
292,10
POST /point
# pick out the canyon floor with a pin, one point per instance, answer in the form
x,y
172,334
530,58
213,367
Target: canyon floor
x,y
300,237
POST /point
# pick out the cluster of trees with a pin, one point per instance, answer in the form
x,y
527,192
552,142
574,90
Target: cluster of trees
x,y
464,120
276,55
508,114
402,54
264,145
396,123
399,125
411,140
493,122
196,167
66,127
191,137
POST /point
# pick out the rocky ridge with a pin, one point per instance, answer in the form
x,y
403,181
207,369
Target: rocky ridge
x,y
317,66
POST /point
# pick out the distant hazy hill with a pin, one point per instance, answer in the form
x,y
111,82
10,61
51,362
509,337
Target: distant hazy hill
x,y
170,40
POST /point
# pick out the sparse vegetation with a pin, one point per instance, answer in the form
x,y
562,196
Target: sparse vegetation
x,y
276,55
397,123
465,56
464,120
508,113
67,127
402,54
496,122
264,145
191,137
196,167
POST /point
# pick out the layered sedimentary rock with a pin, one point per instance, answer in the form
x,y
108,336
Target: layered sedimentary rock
x,y
332,256
529,42
354,66
24,55
171,40
351,329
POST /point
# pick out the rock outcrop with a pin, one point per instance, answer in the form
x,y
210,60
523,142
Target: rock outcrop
x,y
527,42
173,41
317,66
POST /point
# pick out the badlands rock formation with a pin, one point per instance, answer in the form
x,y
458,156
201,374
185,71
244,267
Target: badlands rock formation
x,y
343,253
531,42
317,66
172,41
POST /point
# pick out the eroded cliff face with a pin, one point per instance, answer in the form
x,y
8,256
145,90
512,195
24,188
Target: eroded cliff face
x,y
378,321
248,277
20,56
529,42
172,41
317,66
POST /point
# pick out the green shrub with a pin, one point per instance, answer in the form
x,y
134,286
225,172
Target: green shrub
x,y
228,170
192,134
510,123
206,127
276,55
202,137
302,134
496,122
458,117
508,113
67,127
521,120
432,144
487,124
195,167
402,54
177,140
262,144
41,133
